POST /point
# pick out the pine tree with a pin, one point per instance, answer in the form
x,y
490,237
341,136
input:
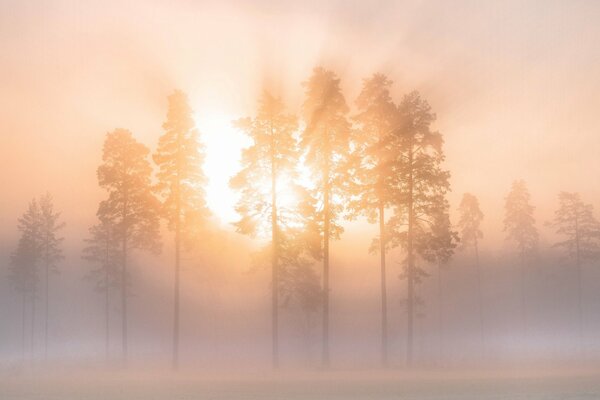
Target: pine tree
x,y
104,250
326,140
25,262
469,225
181,183
268,172
372,170
422,184
519,223
575,221
51,251
130,207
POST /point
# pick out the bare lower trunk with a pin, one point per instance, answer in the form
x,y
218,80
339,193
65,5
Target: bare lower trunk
x,y
384,338
410,271
124,304
106,316
46,314
440,315
32,338
176,298
325,355
480,300
24,304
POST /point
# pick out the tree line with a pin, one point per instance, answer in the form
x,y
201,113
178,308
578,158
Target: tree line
x,y
301,177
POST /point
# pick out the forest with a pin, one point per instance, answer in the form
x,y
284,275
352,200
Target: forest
x,y
325,199
302,176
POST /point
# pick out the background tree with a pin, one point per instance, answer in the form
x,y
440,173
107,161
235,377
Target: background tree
x,y
438,248
268,172
181,182
24,261
519,224
51,251
470,233
575,221
104,251
422,184
130,207
372,164
326,140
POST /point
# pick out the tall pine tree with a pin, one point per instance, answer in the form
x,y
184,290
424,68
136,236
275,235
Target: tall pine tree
x,y
104,251
51,251
470,231
131,207
268,170
422,184
181,183
519,225
326,140
372,164
575,222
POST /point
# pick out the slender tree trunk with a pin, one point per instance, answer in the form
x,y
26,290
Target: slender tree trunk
x,y
32,338
124,302
176,291
46,311
410,269
382,242
275,266
579,284
23,316
326,230
524,308
440,314
106,318
480,298
106,296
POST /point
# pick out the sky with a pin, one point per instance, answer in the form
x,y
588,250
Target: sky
x,y
515,86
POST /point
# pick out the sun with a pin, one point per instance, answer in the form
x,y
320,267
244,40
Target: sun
x,y
223,146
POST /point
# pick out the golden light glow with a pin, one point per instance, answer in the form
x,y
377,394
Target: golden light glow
x,y
224,144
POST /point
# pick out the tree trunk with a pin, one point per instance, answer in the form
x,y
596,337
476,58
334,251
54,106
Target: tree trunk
x,y
579,284
176,291
124,302
32,338
106,315
382,242
24,304
326,229
440,314
46,313
410,269
480,299
274,260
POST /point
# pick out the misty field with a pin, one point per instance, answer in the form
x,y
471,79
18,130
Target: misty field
x,y
514,385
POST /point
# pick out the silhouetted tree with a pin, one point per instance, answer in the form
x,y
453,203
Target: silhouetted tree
x,y
575,221
24,261
104,250
422,184
51,251
519,223
469,225
326,140
439,249
373,170
268,173
130,207
181,182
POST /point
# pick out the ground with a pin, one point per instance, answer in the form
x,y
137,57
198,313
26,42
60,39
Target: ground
x,y
287,385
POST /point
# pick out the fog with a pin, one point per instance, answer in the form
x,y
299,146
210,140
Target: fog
x,y
515,89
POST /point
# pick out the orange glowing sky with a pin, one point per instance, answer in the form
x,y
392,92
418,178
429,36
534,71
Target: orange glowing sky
x,y
515,86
